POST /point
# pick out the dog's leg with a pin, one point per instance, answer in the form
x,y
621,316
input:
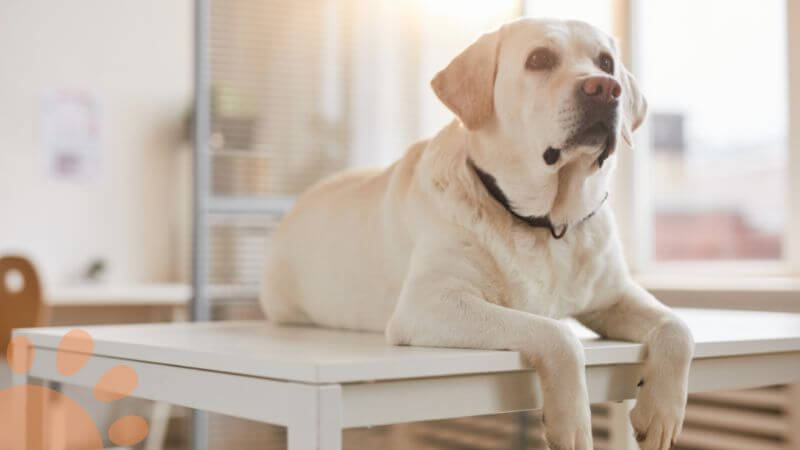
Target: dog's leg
x,y
437,308
637,316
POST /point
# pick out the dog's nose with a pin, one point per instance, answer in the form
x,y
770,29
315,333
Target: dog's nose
x,y
601,89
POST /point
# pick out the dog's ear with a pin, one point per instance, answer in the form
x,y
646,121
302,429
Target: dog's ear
x,y
466,85
634,107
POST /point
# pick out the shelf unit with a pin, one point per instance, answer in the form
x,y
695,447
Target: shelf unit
x,y
258,140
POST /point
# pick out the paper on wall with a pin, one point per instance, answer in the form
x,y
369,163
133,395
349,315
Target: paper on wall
x,y
71,134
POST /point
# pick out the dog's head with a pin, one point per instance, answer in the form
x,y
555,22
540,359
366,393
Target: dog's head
x,y
546,102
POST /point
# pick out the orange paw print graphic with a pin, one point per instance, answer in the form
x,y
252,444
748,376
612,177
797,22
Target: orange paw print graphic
x,y
37,418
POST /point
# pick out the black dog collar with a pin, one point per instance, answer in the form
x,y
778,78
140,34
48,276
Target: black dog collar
x,y
490,183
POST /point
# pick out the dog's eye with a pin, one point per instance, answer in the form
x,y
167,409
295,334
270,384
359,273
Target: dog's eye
x,y
541,59
606,63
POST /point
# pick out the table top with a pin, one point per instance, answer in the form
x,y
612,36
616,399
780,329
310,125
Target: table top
x,y
316,355
101,294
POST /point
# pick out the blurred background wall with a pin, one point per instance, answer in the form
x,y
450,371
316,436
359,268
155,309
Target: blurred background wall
x,y
134,59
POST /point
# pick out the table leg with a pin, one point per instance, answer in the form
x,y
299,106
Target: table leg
x,y
199,430
159,421
28,416
161,412
19,379
20,408
622,436
317,419
25,411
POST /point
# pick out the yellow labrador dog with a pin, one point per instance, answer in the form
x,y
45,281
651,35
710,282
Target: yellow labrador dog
x,y
490,232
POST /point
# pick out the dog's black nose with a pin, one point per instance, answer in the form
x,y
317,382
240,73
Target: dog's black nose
x,y
601,89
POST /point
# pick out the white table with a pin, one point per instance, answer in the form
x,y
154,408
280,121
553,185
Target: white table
x,y
105,302
102,294
112,299
317,382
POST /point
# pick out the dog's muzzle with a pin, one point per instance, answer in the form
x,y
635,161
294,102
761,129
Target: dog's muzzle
x,y
598,100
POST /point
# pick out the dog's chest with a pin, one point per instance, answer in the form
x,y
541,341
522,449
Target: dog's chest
x,y
550,277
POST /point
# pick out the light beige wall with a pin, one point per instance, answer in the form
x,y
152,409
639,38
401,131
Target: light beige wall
x,y
135,56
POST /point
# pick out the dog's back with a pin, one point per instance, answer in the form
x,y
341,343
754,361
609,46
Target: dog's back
x,y
343,247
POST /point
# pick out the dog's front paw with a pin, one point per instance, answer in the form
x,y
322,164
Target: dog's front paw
x,y
657,418
568,429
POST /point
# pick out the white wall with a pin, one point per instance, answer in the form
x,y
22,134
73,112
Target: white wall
x,y
135,57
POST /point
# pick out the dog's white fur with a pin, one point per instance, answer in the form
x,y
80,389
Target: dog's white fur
x,y
421,252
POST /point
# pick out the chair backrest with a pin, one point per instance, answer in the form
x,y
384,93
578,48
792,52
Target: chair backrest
x,y
19,305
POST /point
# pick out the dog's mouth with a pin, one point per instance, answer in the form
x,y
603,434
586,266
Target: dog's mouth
x,y
601,134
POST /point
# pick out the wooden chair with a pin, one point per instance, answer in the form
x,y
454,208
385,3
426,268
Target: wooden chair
x,y
24,307
19,306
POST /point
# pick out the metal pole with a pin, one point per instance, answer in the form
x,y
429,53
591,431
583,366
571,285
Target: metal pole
x,y
200,308
200,305
523,425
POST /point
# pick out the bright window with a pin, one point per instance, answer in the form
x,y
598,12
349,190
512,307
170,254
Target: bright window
x,y
717,88
596,12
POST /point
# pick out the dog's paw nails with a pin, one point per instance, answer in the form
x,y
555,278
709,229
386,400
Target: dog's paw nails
x,y
573,433
577,445
656,425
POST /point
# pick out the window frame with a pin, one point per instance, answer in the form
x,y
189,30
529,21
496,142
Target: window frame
x,y
792,238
